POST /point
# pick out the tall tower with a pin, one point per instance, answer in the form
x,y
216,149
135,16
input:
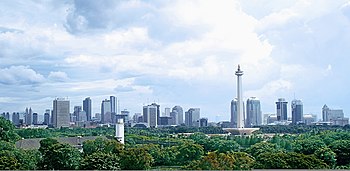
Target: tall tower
x,y
240,116
297,111
281,107
253,112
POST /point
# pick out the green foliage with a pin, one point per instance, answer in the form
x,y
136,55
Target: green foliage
x,y
135,159
59,156
327,156
102,145
100,161
289,160
7,131
308,146
222,161
187,152
263,147
163,156
342,151
9,163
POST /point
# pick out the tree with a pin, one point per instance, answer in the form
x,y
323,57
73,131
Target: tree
x,y
263,147
135,159
289,160
187,152
60,156
100,161
9,163
102,145
327,156
308,146
7,131
342,151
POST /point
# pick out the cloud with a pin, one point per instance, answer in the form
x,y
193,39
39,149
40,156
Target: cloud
x,y
121,89
58,76
17,75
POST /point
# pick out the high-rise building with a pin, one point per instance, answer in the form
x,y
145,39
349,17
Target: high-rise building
x,y
150,115
281,106
203,122
7,116
192,117
47,117
106,116
28,116
309,119
60,113
297,111
180,115
234,113
166,111
253,112
35,118
15,118
174,118
335,116
87,108
113,102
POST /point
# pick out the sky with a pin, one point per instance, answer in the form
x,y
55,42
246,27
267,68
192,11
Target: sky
x,y
174,52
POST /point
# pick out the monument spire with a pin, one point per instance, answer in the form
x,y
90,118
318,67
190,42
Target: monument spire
x,y
240,115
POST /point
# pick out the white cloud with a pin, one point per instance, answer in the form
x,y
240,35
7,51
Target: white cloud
x,y
58,76
20,75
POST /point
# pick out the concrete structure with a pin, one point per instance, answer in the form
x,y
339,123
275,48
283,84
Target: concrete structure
x,y
180,115
334,116
113,102
203,122
166,111
240,115
165,121
87,108
253,112
272,118
234,113
281,108
297,112
309,119
150,115
46,118
29,116
60,113
106,116
119,130
35,118
192,117
15,118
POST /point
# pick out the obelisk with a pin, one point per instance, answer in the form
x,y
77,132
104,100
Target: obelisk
x,y
240,116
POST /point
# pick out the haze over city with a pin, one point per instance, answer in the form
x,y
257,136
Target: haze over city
x,y
174,53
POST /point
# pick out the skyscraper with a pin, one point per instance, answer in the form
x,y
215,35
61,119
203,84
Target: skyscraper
x,y
334,116
47,117
192,117
297,111
15,118
60,113
150,115
281,106
87,108
29,116
253,112
35,118
112,100
234,113
106,116
180,114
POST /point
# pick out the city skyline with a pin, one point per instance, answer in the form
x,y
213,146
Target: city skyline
x,y
174,53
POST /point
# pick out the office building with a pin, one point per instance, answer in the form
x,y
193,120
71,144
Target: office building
x,y
7,116
106,115
137,118
113,102
60,114
124,114
29,116
297,112
35,118
87,108
253,112
15,118
309,119
281,108
271,119
192,117
166,111
234,113
47,117
165,120
150,115
203,122
174,118
179,115
334,116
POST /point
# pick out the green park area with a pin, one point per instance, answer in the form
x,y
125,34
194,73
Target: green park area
x,y
206,148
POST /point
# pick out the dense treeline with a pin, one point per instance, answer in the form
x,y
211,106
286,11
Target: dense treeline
x,y
165,148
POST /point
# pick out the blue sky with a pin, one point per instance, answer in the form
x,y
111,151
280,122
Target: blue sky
x,y
175,53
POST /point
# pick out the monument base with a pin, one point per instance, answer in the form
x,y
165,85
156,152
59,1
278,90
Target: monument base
x,y
240,131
